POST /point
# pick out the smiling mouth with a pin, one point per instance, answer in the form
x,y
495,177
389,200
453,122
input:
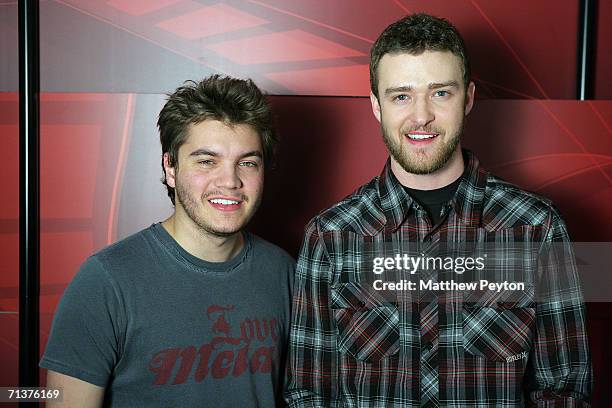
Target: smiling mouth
x,y
420,135
420,138
224,201
225,204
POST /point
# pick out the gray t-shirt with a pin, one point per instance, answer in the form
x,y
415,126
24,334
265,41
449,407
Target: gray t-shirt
x,y
159,327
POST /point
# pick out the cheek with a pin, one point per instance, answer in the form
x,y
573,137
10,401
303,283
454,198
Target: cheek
x,y
394,117
194,180
254,182
458,118
454,115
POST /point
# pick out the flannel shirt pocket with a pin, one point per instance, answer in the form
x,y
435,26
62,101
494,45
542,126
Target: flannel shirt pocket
x,y
368,324
497,328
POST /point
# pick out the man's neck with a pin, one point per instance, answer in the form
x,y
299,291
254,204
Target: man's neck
x,y
451,171
200,243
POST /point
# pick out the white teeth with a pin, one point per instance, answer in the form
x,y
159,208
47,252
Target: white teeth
x,y
420,137
223,201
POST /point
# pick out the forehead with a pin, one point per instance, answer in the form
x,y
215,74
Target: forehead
x,y
217,135
408,69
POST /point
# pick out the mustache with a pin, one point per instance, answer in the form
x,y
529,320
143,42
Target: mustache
x,y
240,197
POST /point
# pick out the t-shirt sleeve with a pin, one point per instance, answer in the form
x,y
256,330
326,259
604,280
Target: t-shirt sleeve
x,y
88,327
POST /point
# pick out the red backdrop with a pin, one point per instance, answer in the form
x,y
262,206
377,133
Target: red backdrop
x,y
106,64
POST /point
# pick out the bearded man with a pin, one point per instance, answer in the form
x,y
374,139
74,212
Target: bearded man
x,y
371,329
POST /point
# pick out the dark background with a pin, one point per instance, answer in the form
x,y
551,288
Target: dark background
x,y
105,66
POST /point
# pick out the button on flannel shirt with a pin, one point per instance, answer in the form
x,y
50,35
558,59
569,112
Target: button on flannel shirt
x,y
353,346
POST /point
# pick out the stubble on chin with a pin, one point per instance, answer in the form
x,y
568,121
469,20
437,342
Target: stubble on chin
x,y
191,207
420,162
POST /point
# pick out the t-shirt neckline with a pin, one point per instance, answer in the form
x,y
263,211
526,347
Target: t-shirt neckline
x,y
199,264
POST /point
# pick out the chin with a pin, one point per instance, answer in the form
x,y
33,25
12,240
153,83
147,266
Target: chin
x,y
226,230
222,232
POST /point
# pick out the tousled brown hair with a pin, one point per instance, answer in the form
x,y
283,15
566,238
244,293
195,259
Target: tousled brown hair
x,y
230,100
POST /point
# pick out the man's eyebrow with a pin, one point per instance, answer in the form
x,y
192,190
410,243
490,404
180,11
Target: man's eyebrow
x,y
203,152
254,153
408,88
437,85
396,89
206,152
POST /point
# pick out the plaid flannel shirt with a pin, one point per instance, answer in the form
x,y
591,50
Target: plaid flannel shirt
x,y
351,346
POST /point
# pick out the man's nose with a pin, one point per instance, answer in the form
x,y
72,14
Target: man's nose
x,y
228,177
422,113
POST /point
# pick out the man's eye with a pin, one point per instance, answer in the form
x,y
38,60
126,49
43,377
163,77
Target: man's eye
x,y
401,98
207,162
441,93
248,164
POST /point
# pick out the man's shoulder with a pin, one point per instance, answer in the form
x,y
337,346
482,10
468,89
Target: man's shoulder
x,y
122,254
274,263
509,205
358,212
270,251
127,245
109,270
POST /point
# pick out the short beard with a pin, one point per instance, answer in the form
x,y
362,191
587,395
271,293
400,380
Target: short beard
x,y
422,164
190,205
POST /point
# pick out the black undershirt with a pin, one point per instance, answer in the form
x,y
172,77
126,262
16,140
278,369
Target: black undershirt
x,y
434,200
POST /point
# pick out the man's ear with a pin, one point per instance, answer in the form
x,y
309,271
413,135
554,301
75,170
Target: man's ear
x,y
469,97
170,171
375,106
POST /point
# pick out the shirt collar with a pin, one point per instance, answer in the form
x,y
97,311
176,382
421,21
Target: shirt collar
x,y
396,202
